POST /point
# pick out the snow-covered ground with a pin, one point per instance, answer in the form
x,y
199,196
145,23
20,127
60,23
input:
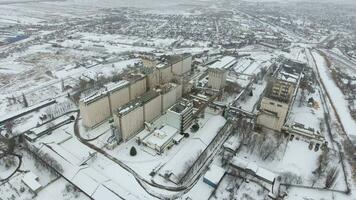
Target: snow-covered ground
x,y
337,97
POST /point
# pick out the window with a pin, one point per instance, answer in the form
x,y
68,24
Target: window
x,y
271,103
279,105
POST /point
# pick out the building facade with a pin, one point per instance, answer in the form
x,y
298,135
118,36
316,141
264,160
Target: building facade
x,y
180,115
95,109
218,72
217,78
275,104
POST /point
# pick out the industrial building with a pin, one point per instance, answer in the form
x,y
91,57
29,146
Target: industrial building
x,y
131,117
180,115
168,129
159,72
94,109
218,72
164,69
279,95
275,104
100,106
161,139
31,180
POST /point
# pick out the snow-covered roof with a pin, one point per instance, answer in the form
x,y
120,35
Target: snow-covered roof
x,y
214,174
252,167
114,86
30,179
223,63
239,162
232,143
265,174
192,149
288,77
95,96
161,136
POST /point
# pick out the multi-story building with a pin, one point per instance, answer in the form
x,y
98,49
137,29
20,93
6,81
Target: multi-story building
x,y
164,69
279,95
130,117
100,106
275,104
180,115
95,108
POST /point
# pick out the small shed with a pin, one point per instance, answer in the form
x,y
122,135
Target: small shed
x,y
31,180
213,176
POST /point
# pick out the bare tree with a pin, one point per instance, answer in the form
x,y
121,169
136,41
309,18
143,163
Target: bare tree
x,y
302,98
331,176
24,100
9,126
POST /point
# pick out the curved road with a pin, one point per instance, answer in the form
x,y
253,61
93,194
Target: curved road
x,y
181,190
17,168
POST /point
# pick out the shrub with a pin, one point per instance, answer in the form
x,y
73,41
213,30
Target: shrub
x,y
133,151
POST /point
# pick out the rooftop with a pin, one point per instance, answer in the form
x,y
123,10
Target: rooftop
x,y
116,86
223,63
139,101
214,174
180,107
279,90
161,136
30,179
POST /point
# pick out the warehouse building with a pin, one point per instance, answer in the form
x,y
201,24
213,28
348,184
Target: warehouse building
x,y
218,72
214,175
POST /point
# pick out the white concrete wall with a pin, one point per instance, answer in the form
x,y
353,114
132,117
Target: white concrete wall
x,y
166,75
187,64
95,112
137,88
153,79
152,109
179,91
168,99
217,79
131,123
174,119
177,68
271,121
119,98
